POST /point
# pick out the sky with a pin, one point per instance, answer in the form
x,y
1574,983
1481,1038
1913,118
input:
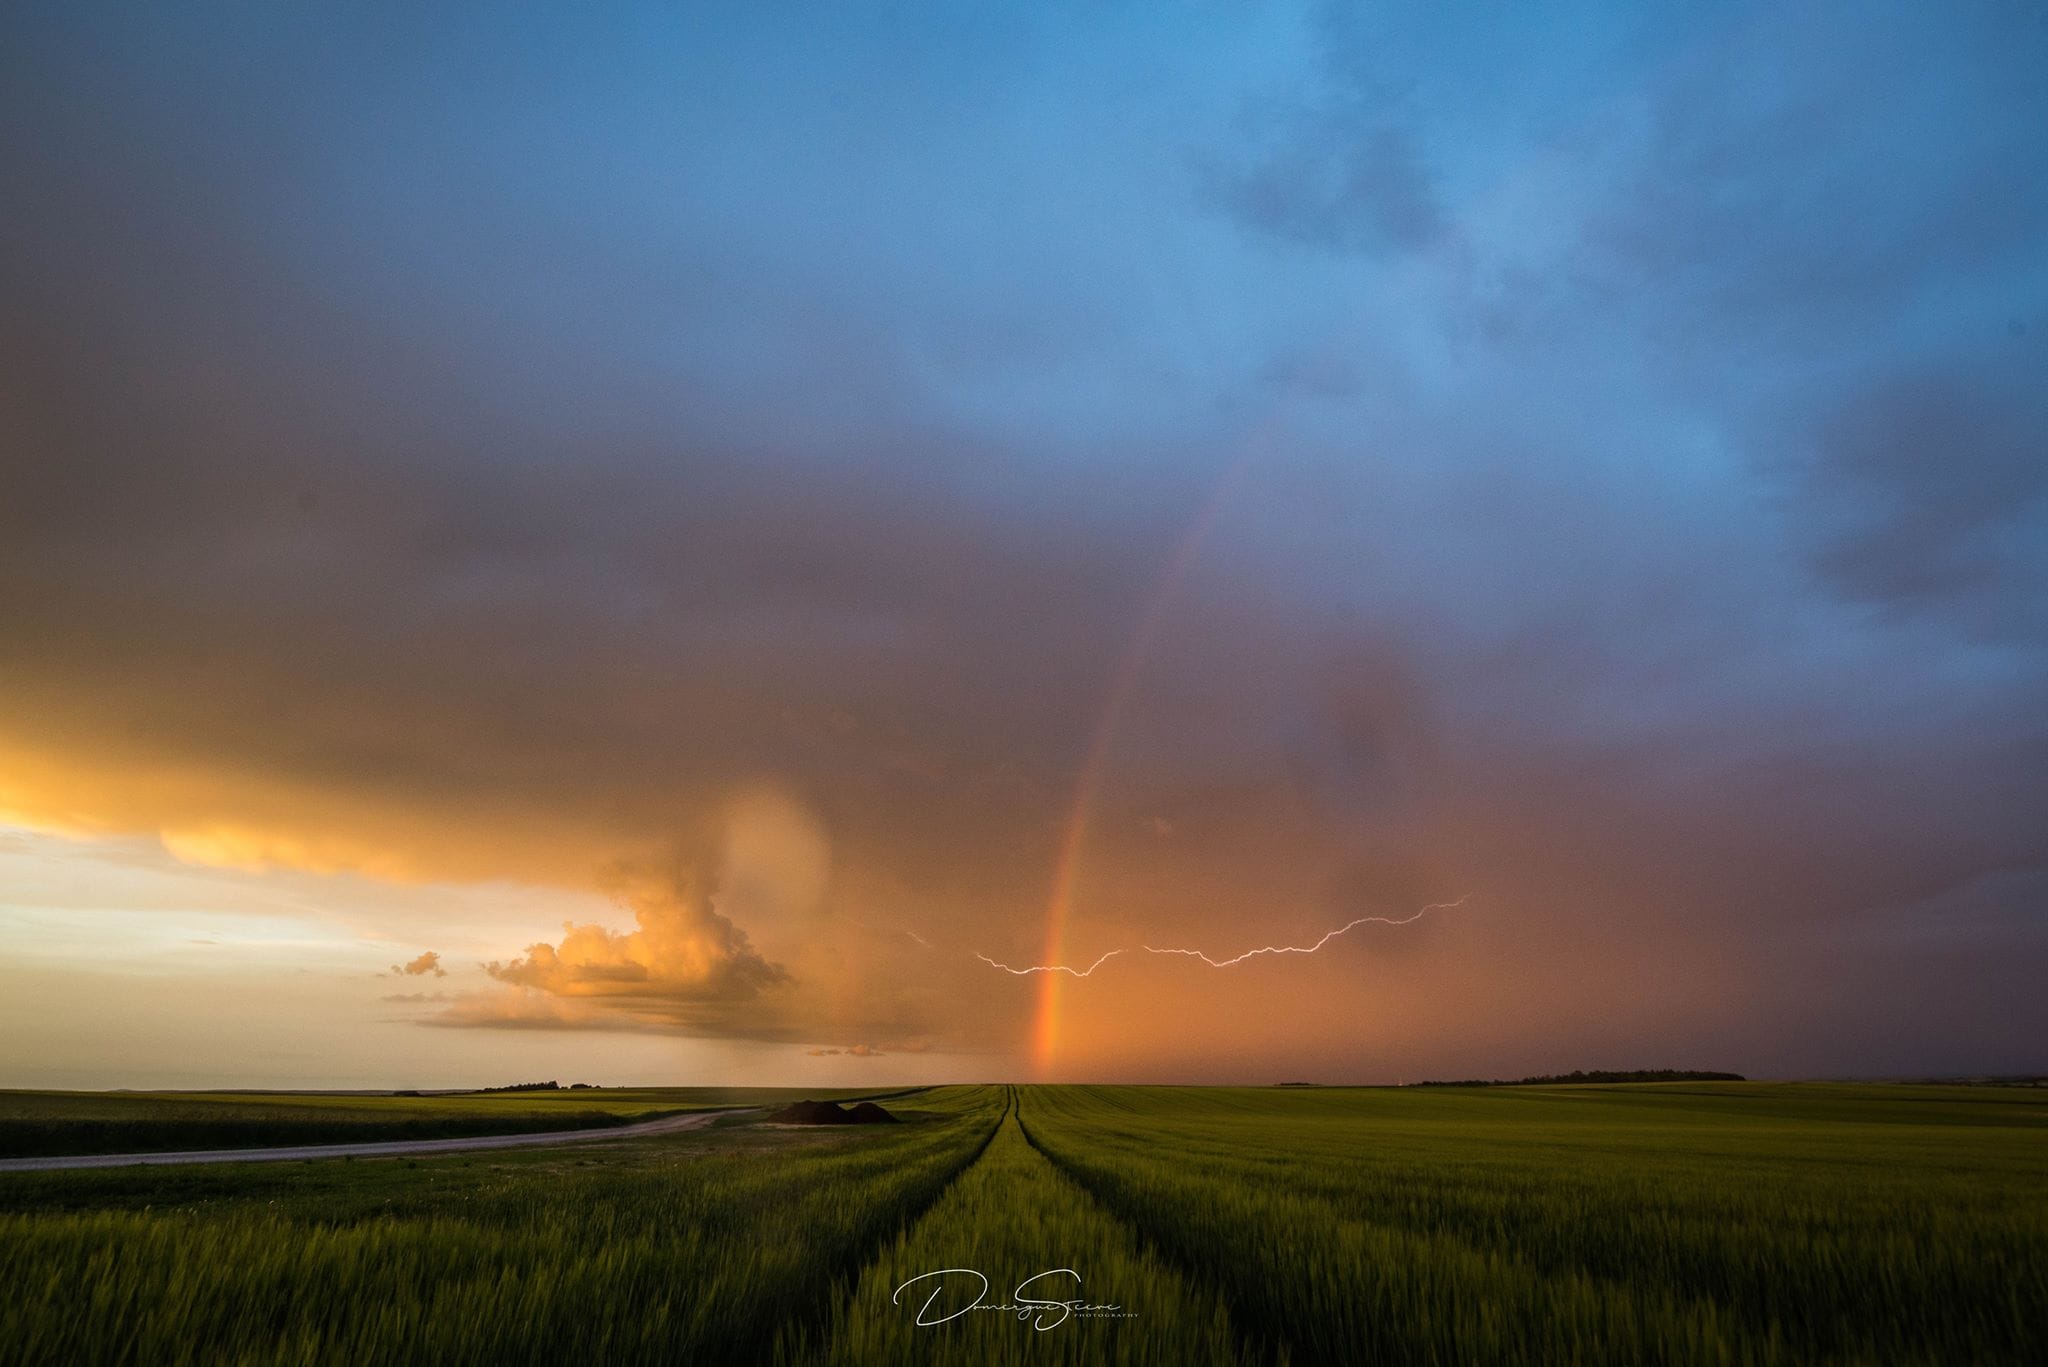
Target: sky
x,y
684,544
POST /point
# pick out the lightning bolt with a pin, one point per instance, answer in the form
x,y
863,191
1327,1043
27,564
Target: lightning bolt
x,y
1248,954
1310,949
1054,968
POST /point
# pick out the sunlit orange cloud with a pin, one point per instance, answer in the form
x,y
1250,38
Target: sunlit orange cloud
x,y
682,951
685,968
232,818
781,928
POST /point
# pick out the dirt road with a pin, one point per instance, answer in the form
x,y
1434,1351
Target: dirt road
x,y
670,1124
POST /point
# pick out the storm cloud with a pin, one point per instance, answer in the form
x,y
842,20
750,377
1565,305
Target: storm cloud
x,y
740,470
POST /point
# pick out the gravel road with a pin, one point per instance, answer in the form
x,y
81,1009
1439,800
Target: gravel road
x,y
671,1124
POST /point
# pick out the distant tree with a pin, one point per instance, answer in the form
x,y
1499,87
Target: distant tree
x,y
525,1087
1581,1075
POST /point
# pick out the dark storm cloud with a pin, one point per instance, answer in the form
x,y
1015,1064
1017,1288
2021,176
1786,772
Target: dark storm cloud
x,y
1938,485
1333,166
1771,194
1847,279
1338,181
408,477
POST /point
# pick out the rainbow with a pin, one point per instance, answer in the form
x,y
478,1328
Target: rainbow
x,y
1073,835
1045,1034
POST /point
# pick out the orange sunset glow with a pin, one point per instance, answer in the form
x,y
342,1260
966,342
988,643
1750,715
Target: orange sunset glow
x,y
1328,562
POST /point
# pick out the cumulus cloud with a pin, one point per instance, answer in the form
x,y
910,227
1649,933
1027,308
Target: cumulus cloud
x,y
429,962
795,969
683,953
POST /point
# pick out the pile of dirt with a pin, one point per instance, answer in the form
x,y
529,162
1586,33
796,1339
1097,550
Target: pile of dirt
x,y
868,1113
830,1113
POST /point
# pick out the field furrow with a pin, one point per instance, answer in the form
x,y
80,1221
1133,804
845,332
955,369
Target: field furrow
x,y
984,1277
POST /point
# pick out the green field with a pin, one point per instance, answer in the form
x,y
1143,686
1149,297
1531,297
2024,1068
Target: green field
x,y
1679,1223
34,1124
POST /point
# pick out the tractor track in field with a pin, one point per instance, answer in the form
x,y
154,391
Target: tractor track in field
x,y
1251,1349
848,1273
818,1344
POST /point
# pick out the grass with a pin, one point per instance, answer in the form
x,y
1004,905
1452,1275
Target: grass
x,y
1689,1223
35,1124
657,1252
1695,1223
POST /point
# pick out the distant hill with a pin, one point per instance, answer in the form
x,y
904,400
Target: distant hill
x,y
1634,1075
